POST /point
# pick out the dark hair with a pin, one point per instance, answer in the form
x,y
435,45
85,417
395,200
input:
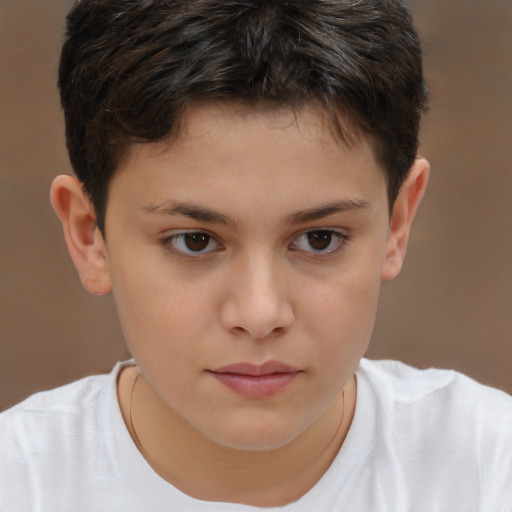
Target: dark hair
x,y
130,68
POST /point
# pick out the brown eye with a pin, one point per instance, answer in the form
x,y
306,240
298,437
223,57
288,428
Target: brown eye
x,y
320,240
196,242
192,243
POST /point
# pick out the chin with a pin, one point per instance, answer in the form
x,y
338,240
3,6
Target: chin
x,y
256,445
254,438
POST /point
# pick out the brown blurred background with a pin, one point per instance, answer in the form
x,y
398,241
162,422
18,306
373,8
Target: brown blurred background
x,y
452,305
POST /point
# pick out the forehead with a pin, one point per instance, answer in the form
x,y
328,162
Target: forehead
x,y
228,148
306,121
230,124
309,121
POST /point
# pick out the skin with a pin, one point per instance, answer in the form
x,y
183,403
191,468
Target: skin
x,y
257,287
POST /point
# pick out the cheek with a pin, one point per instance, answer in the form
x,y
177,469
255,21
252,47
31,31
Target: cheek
x,y
163,331
342,315
158,312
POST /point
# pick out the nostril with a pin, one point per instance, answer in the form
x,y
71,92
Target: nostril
x,y
238,331
273,333
278,331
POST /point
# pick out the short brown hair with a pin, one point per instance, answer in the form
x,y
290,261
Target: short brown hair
x,y
129,69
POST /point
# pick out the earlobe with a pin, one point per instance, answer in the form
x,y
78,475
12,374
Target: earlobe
x,y
84,240
404,210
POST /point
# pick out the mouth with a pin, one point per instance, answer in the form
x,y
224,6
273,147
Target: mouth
x,y
256,381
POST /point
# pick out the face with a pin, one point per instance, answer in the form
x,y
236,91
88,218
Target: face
x,y
246,260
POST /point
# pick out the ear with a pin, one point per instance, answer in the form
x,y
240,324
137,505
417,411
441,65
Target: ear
x,y
83,238
404,209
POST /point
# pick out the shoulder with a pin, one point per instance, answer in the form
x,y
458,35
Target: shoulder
x,y
32,426
66,407
68,397
403,384
445,423
446,394
54,405
49,433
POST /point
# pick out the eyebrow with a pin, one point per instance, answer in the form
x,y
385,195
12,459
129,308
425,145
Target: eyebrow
x,y
343,206
200,213
189,210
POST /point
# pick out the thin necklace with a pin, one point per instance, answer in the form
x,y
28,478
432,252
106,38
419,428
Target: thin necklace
x,y
152,462
137,440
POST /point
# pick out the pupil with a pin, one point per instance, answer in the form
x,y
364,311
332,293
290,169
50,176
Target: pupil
x,y
197,241
320,240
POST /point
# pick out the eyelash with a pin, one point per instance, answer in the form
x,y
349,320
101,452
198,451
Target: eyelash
x,y
173,240
177,238
341,241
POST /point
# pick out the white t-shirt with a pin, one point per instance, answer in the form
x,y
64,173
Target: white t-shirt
x,y
420,441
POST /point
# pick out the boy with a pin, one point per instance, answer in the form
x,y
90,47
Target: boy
x,y
246,177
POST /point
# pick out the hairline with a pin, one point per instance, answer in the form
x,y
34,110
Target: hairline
x,y
341,126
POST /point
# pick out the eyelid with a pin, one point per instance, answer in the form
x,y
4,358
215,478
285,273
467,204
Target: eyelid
x,y
168,237
342,236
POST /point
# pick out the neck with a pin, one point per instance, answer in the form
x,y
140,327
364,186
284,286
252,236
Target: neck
x,y
206,470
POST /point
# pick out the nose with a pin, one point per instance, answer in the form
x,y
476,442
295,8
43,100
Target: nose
x,y
258,300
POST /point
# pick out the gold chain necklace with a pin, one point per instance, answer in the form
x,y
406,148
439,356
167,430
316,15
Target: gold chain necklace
x,y
152,462
134,432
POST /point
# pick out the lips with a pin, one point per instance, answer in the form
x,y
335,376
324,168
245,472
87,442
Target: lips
x,y
256,381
